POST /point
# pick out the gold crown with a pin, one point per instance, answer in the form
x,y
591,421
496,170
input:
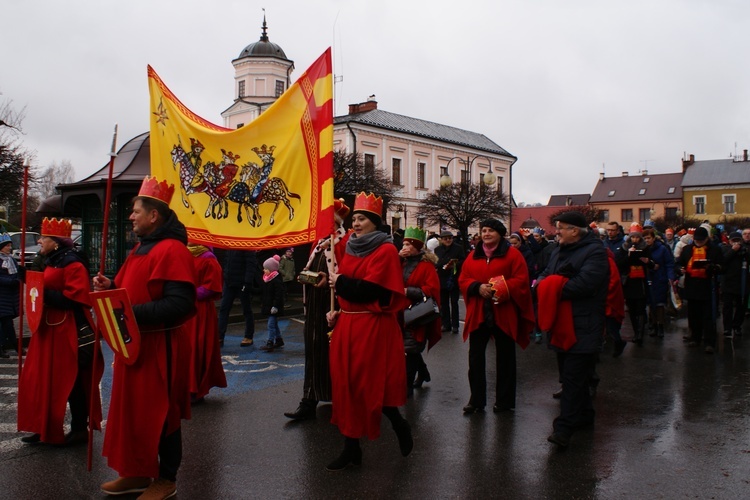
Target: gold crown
x,y
264,150
58,228
152,188
368,203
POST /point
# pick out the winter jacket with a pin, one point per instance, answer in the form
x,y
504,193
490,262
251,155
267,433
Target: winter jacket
x,y
9,287
660,271
585,264
449,277
273,296
698,288
240,268
733,268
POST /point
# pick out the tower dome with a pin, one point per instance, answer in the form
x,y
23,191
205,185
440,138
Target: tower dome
x,y
263,47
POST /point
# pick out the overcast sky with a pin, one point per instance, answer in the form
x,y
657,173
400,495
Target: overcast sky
x,y
566,86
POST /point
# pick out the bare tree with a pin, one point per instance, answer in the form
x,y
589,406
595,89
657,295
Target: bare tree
x,y
52,176
351,176
461,205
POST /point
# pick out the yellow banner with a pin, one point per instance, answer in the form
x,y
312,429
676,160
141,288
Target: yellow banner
x,y
268,184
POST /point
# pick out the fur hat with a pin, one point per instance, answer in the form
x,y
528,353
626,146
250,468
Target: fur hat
x,y
272,263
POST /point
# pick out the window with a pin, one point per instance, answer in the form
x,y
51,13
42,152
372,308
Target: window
x,y
670,190
482,185
728,201
627,215
369,165
670,213
240,125
464,176
420,175
279,88
443,171
611,193
499,185
700,204
395,223
396,171
641,191
604,216
420,222
643,214
241,89
646,179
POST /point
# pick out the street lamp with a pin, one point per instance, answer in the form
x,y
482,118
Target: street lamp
x,y
489,177
401,207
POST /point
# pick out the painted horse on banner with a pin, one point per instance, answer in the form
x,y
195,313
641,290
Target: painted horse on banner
x,y
193,181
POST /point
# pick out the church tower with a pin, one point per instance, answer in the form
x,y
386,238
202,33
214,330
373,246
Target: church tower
x,y
262,73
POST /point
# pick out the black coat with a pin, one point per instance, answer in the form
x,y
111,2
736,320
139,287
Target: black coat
x,y
9,290
273,295
241,268
586,265
449,279
733,261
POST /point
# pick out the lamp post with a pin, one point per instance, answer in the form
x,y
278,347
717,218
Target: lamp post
x,y
400,208
489,178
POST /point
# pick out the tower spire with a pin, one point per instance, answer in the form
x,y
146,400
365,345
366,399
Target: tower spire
x,y
264,34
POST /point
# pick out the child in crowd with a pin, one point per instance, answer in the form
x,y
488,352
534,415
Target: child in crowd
x,y
272,302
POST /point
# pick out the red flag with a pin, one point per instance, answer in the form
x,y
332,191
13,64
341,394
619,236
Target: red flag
x,y
34,299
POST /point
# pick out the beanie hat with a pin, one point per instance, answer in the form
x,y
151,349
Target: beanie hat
x,y
494,224
272,263
636,229
701,234
574,218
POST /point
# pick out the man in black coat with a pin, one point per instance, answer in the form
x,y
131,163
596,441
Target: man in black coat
x,y
582,259
450,258
736,259
700,262
240,272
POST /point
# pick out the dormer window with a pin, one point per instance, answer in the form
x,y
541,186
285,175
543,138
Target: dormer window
x,y
611,193
670,190
642,191
646,179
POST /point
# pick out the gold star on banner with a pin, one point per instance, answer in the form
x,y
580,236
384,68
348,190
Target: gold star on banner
x,y
161,113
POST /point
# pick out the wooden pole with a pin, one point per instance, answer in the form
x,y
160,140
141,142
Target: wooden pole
x,y
102,261
22,288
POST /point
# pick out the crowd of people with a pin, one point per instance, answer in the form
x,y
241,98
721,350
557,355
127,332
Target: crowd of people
x,y
373,304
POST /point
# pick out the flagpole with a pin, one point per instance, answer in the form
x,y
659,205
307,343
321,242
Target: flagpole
x,y
330,270
102,261
23,262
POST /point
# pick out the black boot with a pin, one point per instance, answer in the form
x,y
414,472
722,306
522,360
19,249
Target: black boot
x,y
423,375
305,410
352,454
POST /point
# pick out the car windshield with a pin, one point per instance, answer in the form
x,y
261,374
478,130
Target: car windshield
x,y
31,239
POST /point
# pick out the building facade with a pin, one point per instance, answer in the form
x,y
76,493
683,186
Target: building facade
x,y
716,190
627,199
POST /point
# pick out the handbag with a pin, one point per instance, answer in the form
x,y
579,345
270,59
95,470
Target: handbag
x,y
422,313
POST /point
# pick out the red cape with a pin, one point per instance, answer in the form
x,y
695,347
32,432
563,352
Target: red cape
x,y
206,370
515,317
142,399
51,366
367,349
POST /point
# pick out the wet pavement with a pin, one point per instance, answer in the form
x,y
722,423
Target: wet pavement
x,y
672,422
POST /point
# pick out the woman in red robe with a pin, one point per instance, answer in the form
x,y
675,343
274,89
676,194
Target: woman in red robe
x,y
368,375
206,370
56,370
420,281
494,281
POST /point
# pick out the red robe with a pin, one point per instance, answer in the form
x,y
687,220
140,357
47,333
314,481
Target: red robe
x,y
51,366
206,370
142,398
367,348
426,278
515,317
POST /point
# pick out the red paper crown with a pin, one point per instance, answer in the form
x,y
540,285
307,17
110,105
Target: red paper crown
x,y
340,208
368,203
593,225
500,291
58,228
152,188
636,228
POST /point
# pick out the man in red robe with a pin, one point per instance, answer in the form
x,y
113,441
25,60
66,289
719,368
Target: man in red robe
x,y
150,396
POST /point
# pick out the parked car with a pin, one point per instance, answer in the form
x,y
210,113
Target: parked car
x,y
32,246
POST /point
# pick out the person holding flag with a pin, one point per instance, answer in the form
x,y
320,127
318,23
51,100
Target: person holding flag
x,y
58,368
143,439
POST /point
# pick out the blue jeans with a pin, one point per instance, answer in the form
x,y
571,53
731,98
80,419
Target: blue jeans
x,y
227,300
273,328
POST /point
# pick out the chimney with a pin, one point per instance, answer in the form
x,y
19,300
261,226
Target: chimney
x,y
624,174
744,155
362,107
687,163
644,172
601,176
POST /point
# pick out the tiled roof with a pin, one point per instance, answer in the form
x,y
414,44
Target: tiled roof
x,y
541,214
716,172
431,130
562,200
629,188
